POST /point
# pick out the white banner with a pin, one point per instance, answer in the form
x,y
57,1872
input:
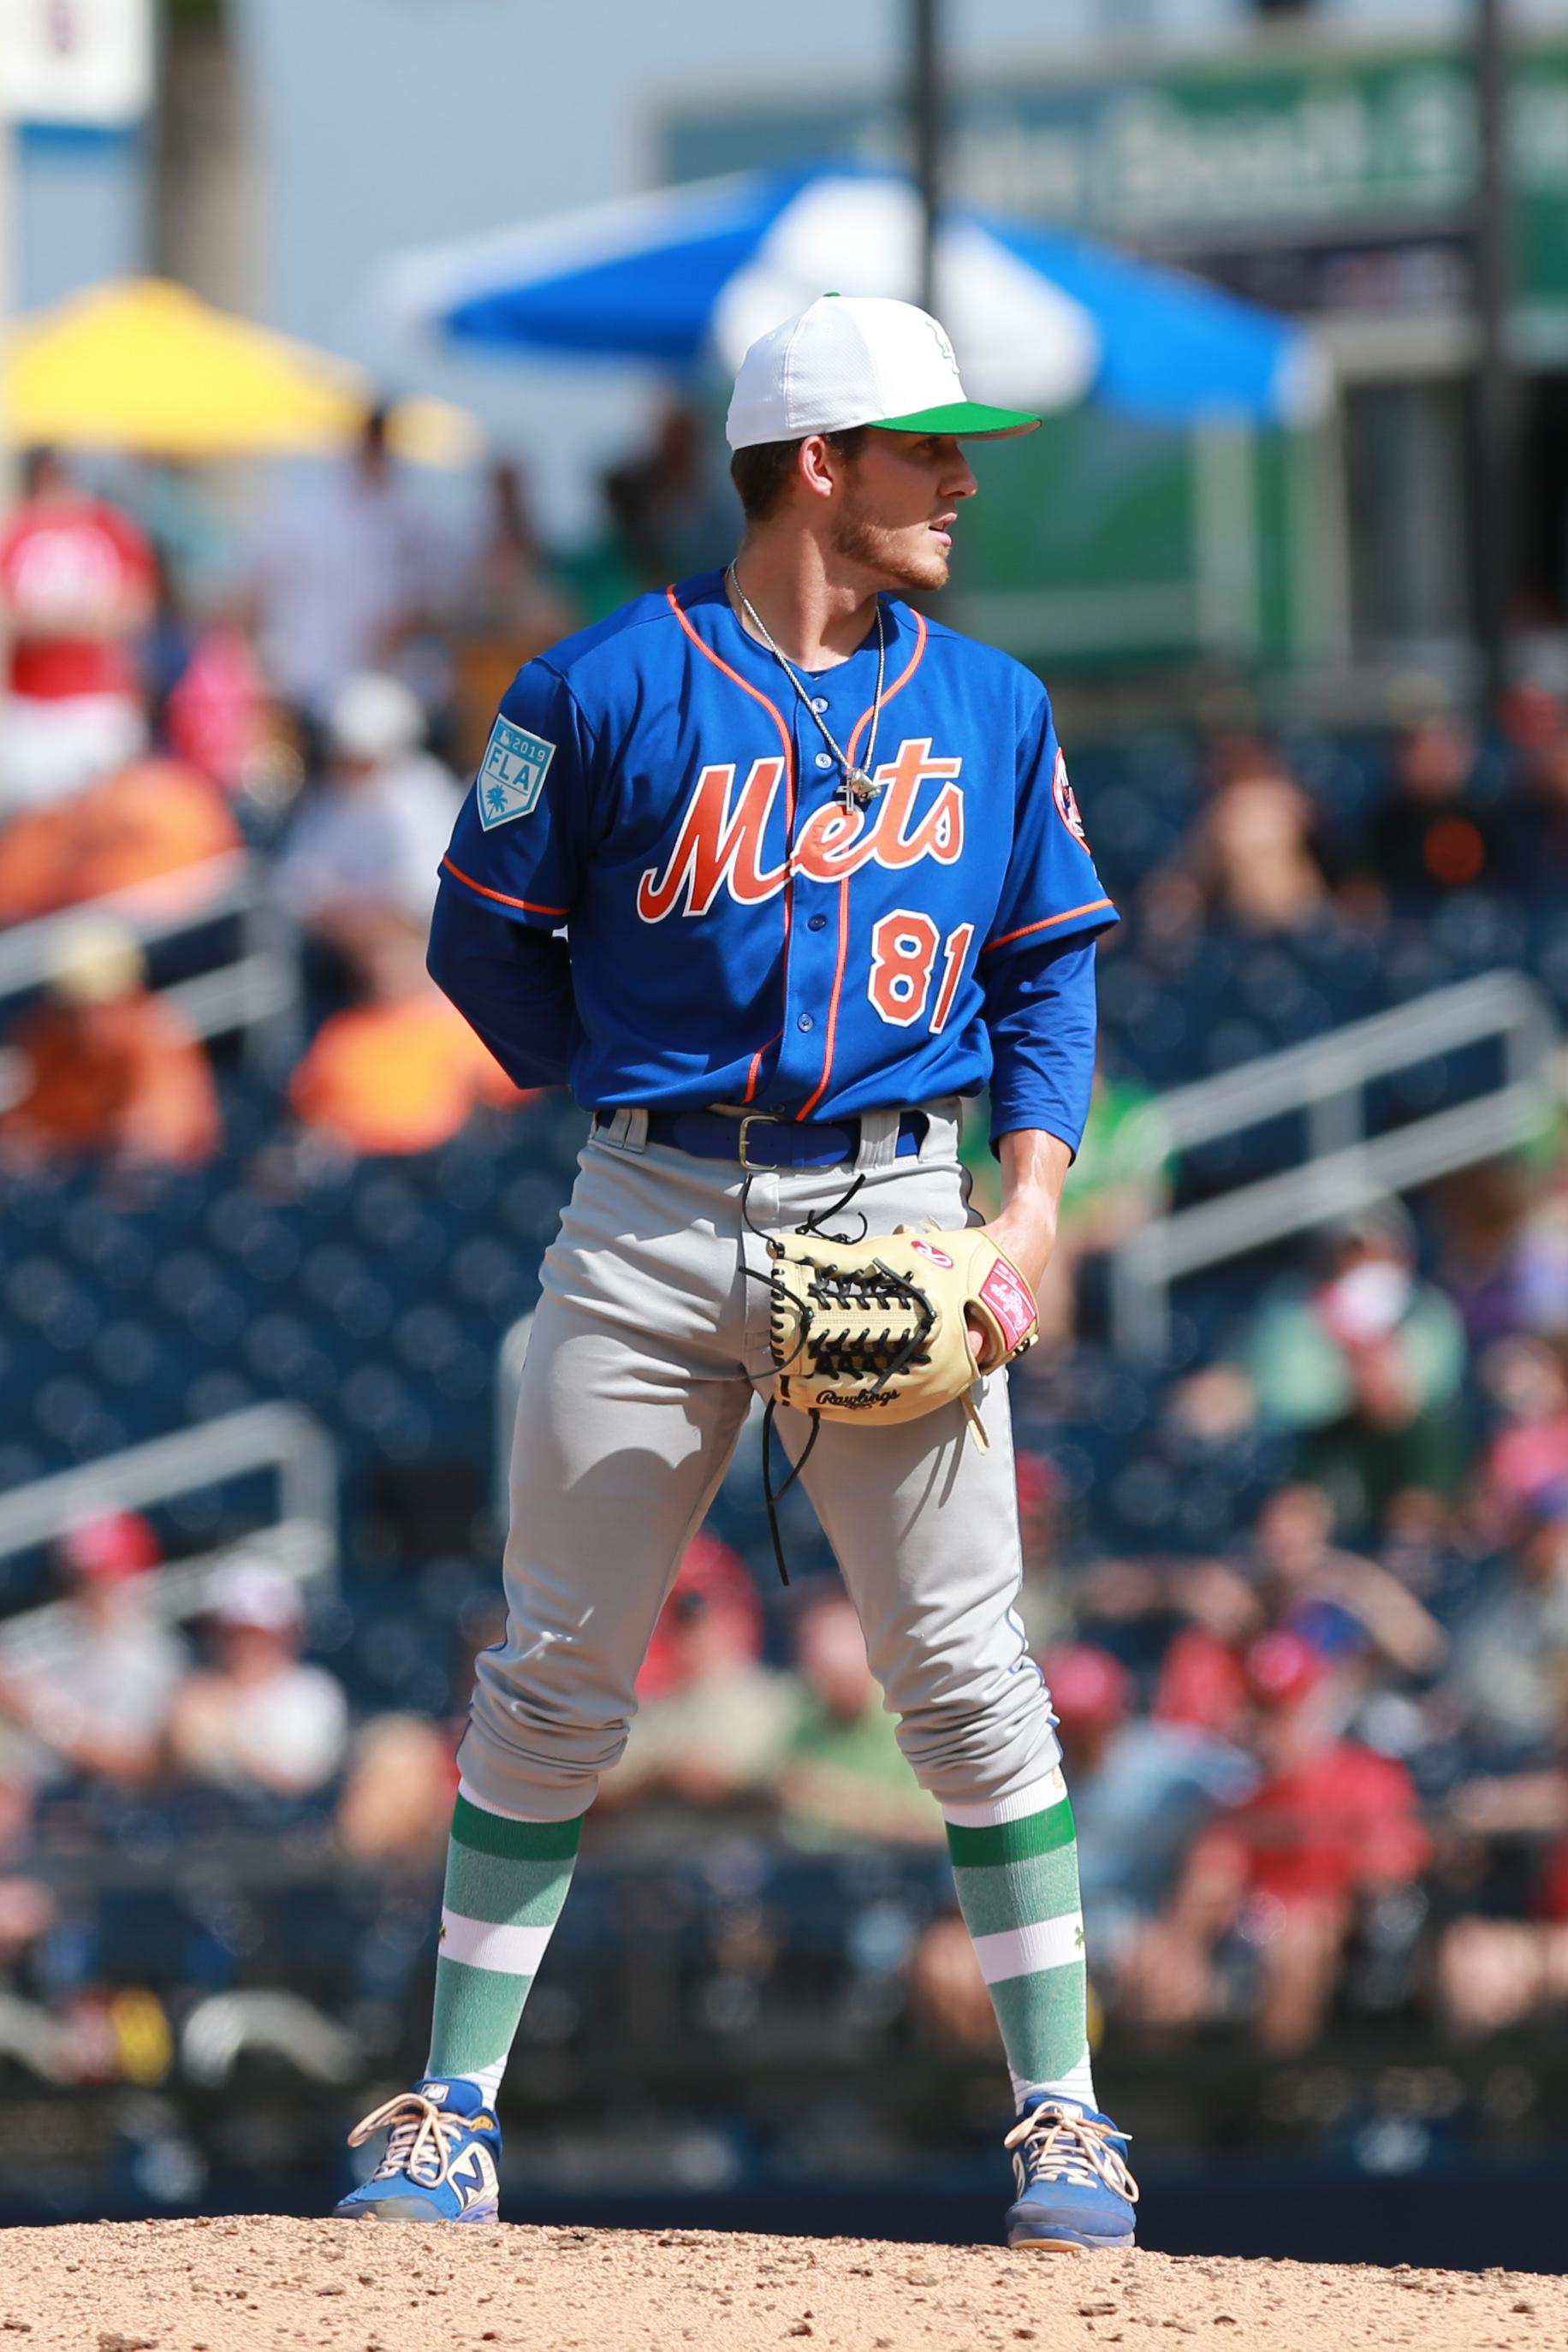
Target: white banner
x,y
75,62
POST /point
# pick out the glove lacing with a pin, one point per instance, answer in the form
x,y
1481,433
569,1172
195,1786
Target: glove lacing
x,y
772,1495
1056,2142
424,2138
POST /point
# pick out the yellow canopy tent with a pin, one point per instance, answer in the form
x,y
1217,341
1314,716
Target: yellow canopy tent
x,y
143,365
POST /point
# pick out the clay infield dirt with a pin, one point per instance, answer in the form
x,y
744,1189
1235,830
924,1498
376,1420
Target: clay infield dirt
x,y
276,2287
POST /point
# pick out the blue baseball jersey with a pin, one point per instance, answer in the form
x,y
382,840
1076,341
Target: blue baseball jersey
x,y
736,933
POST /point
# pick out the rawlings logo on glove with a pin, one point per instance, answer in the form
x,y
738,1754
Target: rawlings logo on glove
x,y
882,1326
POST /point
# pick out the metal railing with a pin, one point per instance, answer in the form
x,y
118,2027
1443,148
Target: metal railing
x,y
36,1640
302,1539
1344,1169
258,992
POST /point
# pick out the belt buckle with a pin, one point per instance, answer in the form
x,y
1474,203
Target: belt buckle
x,y
754,1119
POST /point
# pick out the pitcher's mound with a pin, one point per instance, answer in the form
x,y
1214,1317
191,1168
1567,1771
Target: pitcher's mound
x,y
293,2287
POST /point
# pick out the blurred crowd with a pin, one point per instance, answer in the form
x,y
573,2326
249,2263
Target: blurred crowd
x,y
1313,1782
309,691
1317,1740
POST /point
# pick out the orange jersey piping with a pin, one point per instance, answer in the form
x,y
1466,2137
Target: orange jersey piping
x,y
506,899
1047,923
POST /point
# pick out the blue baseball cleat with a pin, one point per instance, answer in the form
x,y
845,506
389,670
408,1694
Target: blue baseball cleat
x,y
1074,2192
440,2161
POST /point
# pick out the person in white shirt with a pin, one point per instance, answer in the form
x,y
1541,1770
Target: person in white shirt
x,y
93,1700
342,574
365,849
257,1719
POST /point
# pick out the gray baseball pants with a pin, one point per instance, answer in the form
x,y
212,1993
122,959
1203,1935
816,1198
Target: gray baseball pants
x,y
634,1395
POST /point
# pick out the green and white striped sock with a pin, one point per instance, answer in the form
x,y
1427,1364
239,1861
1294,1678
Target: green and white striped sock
x,y
506,1883
1015,1865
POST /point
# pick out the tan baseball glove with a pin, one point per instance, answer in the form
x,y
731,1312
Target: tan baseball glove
x,y
878,1329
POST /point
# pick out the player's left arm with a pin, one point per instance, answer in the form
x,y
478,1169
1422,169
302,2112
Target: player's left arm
x,y
1034,1169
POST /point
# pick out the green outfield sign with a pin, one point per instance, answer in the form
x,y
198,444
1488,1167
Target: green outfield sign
x,y
1271,145
1313,176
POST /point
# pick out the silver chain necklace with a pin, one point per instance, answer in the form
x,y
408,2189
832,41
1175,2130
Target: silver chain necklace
x,y
857,785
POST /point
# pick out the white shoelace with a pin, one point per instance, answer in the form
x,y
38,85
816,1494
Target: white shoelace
x,y
1057,2143
423,2137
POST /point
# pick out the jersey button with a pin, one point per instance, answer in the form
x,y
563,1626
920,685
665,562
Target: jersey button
x,y
805,1022
825,759
817,923
819,702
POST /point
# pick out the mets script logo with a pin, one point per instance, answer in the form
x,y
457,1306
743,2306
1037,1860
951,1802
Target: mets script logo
x,y
720,844
1065,800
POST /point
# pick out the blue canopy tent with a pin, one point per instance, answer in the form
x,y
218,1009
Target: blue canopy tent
x,y
688,277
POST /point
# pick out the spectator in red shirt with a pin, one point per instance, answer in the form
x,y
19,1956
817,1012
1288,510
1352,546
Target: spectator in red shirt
x,y
1331,1824
78,582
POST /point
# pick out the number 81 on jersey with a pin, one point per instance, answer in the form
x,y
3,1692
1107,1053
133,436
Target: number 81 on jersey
x,y
905,947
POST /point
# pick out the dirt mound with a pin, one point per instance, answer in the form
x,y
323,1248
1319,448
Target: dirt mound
x,y
274,2287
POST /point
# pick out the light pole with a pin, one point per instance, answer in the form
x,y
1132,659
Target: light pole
x,y
1496,405
926,128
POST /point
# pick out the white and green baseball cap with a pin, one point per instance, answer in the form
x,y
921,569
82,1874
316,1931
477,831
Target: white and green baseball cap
x,y
858,359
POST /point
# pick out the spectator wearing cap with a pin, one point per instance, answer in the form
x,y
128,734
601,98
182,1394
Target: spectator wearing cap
x,y
106,1069
1280,1881
844,1780
1140,1791
1366,1369
256,1719
713,1723
95,1702
365,852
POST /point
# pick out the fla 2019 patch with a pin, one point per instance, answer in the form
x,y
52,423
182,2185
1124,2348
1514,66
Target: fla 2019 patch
x,y
512,773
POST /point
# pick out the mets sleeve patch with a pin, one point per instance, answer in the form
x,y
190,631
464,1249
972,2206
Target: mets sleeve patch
x,y
512,773
1065,800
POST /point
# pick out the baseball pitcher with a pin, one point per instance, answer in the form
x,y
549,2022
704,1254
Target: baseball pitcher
x,y
777,871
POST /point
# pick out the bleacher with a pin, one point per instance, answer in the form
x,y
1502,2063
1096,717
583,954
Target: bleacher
x,y
376,1296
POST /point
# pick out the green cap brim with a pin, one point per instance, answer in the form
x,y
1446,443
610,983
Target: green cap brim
x,y
970,418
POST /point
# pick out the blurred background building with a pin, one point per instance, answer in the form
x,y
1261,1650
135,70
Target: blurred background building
x,y
1294,1469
